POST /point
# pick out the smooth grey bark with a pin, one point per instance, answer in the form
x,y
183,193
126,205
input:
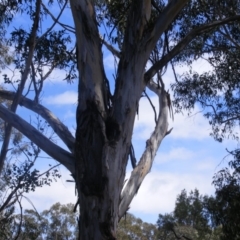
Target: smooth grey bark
x,y
152,145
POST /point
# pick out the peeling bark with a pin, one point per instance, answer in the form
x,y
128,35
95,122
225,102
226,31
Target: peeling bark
x,y
104,130
145,163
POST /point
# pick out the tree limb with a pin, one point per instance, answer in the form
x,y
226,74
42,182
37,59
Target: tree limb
x,y
59,128
237,117
163,21
145,163
56,20
182,44
39,139
32,43
113,50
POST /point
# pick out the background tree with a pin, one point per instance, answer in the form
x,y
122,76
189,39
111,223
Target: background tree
x,y
227,202
217,92
192,218
137,32
17,180
131,227
59,222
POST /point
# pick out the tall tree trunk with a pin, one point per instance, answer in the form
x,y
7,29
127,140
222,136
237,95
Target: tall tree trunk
x,y
104,127
96,134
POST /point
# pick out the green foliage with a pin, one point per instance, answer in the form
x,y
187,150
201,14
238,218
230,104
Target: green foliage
x,y
227,183
131,227
7,219
60,222
5,56
217,90
192,218
17,180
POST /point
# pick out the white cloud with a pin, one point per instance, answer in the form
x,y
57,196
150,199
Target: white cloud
x,y
194,127
109,62
69,114
159,190
144,121
200,66
56,76
207,164
68,97
157,193
178,153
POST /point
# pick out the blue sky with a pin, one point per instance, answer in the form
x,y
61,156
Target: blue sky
x,y
187,158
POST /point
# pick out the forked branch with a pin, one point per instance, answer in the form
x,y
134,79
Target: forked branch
x,y
152,145
182,45
163,21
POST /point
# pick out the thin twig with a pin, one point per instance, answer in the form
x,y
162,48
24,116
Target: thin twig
x,y
152,105
21,217
67,27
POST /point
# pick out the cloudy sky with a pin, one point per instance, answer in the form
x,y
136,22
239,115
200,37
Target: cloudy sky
x,y
187,158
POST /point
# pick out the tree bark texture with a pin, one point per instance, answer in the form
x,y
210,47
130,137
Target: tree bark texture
x,y
104,128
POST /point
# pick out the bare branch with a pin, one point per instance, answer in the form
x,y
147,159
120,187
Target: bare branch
x,y
14,191
153,87
153,107
40,140
21,218
145,163
113,50
183,43
59,128
32,43
237,117
164,20
93,80
55,19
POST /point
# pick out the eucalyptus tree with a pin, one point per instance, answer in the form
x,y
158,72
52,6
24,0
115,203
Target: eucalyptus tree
x,y
57,222
136,33
131,227
193,218
226,205
216,91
